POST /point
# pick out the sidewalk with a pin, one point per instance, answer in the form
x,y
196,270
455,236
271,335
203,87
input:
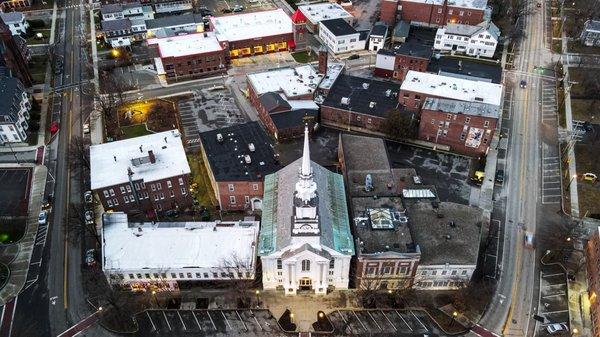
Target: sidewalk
x,y
579,305
21,257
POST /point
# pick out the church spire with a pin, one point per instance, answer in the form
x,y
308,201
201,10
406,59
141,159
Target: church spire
x,y
306,188
306,170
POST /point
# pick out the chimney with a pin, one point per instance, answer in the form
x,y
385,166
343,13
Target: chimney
x,y
115,157
141,151
322,60
151,156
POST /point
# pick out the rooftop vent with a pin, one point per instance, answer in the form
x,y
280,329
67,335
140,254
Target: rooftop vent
x,y
345,100
251,147
365,86
388,93
372,104
247,159
219,138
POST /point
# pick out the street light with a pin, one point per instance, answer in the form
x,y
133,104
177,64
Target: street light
x,y
292,317
257,292
454,315
571,181
575,331
155,298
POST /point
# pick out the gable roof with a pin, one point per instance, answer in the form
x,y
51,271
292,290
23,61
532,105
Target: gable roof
x,y
272,101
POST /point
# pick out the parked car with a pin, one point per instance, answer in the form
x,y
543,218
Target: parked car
x,y
87,196
46,202
86,128
523,84
556,327
89,217
90,259
417,180
172,213
42,217
500,176
238,8
353,57
528,240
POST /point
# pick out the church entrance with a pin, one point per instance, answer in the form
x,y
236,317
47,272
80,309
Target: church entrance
x,y
305,284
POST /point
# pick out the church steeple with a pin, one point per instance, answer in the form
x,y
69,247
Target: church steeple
x,y
306,188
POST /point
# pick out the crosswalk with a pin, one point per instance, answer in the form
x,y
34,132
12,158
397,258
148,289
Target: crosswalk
x,y
551,189
549,106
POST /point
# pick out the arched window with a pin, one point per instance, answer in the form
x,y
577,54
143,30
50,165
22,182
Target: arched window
x,y
305,265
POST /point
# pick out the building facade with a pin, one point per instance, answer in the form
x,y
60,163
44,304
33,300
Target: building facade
x,y
592,257
15,54
388,12
16,22
14,111
157,256
467,127
237,159
590,35
12,5
148,174
438,13
479,40
317,12
340,37
305,242
397,62
378,36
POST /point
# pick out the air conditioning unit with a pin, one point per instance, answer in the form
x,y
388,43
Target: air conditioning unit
x,y
345,100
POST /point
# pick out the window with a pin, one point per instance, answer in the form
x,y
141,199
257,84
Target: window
x,y
137,186
450,11
198,275
424,272
181,275
246,199
189,275
112,192
143,184
139,276
385,270
109,202
445,133
231,187
370,270
156,197
146,196
468,13
147,275
232,199
448,116
402,270
180,181
163,275
152,187
215,275
116,202
183,192
162,196
369,120
417,96
106,195
432,121
205,275
439,11
173,275
158,207
223,274
169,185
255,187
332,264
159,186
126,199
486,124
305,265
172,194
128,188
467,120
434,272
444,272
464,272
131,276
279,264
454,272
461,13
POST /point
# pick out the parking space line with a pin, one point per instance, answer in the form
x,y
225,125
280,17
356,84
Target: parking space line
x,y
374,321
550,275
241,320
226,320
359,321
151,321
555,295
181,319
389,321
196,319
345,321
256,320
555,312
417,318
168,324
211,320
403,320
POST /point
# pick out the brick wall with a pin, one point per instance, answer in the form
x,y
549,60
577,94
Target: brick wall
x,y
593,271
388,12
361,122
404,63
238,195
370,272
193,66
439,15
455,129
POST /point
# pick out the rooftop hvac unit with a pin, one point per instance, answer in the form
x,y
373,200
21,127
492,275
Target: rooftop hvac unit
x,y
365,86
345,100
372,105
247,159
219,138
388,93
251,147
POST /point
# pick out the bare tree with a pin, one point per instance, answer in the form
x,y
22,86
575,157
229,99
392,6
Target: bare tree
x,y
400,124
237,271
79,152
76,226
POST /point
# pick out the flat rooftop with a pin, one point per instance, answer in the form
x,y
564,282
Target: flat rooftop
x,y
334,69
184,45
110,162
175,245
227,158
414,48
363,95
464,67
474,4
453,88
253,25
292,82
461,107
339,27
354,148
449,233
318,12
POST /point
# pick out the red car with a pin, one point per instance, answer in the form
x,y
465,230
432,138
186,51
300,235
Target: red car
x,y
54,128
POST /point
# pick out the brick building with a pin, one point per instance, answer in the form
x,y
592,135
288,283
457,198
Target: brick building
x,y
237,159
359,104
388,12
419,86
386,256
467,127
144,174
189,56
592,257
440,12
255,33
286,119
411,55
463,67
14,54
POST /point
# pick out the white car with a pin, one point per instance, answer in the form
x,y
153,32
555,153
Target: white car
x,y
86,128
42,218
556,327
89,217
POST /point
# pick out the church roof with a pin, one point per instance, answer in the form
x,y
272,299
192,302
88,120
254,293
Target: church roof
x,y
278,207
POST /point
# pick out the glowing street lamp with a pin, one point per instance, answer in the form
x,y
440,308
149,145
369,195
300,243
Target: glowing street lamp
x,y
115,52
454,315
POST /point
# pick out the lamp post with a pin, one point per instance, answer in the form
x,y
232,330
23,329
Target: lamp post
x,y
571,181
454,315
257,292
155,298
291,317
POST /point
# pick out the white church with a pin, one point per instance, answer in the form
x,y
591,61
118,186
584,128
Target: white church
x,y
305,243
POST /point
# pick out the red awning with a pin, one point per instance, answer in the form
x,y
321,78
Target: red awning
x,y
291,44
298,17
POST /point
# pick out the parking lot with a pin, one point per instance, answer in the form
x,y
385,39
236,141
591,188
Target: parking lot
x,y
14,198
244,322
208,109
393,322
553,303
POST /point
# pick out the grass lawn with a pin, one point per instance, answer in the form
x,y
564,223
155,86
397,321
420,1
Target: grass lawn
x,y
203,192
586,110
12,230
578,75
37,66
303,57
34,40
589,196
134,131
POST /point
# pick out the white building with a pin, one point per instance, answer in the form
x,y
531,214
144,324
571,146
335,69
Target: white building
x,y
158,255
449,244
174,25
252,25
173,6
479,40
14,111
457,88
305,243
123,24
15,22
590,35
318,12
127,10
340,37
378,36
